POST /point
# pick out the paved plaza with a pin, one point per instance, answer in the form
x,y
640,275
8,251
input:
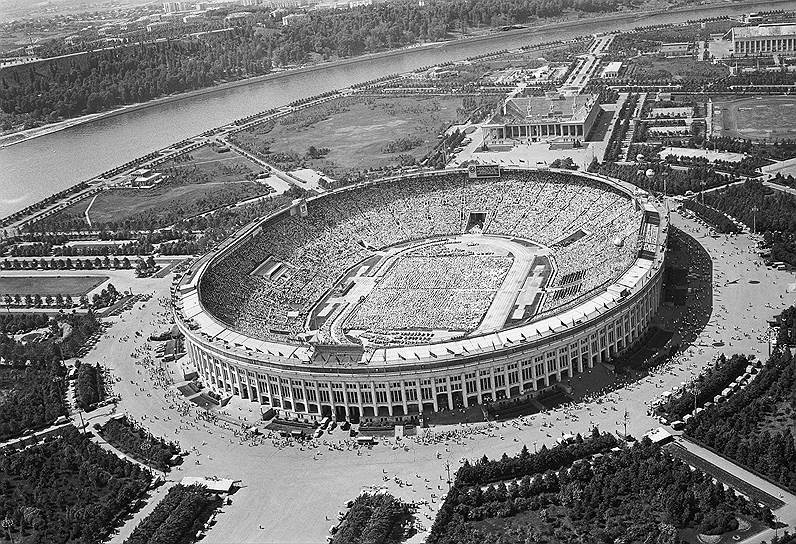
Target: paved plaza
x,y
292,493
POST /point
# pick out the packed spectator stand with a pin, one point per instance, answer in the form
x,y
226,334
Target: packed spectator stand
x,y
590,228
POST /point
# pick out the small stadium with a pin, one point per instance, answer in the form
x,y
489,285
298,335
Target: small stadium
x,y
425,292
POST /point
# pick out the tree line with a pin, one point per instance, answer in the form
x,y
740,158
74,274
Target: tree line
x,y
707,385
66,490
89,387
131,74
639,493
753,427
374,519
177,518
134,440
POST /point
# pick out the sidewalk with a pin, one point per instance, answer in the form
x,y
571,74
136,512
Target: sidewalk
x,y
786,514
124,532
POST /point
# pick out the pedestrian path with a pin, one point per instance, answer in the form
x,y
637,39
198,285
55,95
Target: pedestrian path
x,y
154,498
784,515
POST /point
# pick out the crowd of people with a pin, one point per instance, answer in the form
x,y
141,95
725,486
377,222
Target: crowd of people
x,y
425,292
345,228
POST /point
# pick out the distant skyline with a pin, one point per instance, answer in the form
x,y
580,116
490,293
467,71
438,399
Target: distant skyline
x,y
21,9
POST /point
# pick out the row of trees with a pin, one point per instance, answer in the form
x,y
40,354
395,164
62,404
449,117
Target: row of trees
x,y
374,519
720,221
66,490
524,464
678,182
45,249
177,518
37,301
134,440
89,387
66,264
753,427
708,384
636,494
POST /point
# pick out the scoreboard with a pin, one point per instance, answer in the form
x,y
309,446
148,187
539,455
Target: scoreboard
x,y
483,171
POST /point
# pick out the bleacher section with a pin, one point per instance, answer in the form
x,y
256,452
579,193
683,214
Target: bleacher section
x,y
344,228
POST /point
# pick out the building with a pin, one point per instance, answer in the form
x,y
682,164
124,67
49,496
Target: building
x,y
612,70
384,385
766,39
293,18
239,16
681,49
538,118
175,7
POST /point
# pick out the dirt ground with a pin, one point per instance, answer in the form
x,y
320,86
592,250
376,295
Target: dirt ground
x,y
766,117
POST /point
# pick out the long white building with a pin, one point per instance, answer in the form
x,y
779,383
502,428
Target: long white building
x,y
765,39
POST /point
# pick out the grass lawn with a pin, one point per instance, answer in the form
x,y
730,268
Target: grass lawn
x,y
49,285
160,206
653,67
117,205
219,167
357,132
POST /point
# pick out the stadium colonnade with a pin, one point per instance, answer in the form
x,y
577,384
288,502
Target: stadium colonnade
x,y
383,385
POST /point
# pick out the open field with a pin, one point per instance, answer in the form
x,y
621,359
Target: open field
x,y
159,206
49,285
359,133
218,167
653,68
766,117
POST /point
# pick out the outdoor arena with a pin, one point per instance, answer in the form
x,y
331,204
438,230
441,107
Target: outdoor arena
x,y
425,292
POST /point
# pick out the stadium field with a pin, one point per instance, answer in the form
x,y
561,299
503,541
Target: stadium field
x,y
49,285
758,118
465,284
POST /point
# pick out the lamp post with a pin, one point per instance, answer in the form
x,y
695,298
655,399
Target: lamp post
x,y
755,209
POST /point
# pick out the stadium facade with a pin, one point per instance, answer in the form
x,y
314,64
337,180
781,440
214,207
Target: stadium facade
x,y
311,379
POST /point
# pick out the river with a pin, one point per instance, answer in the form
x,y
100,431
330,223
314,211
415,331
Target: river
x,y
34,169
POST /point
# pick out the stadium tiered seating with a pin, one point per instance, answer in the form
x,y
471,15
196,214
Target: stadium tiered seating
x,y
344,228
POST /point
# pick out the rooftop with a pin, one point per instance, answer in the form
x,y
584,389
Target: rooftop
x,y
764,31
544,109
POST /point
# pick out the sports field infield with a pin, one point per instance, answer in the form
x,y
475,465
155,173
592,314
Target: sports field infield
x,y
757,118
49,285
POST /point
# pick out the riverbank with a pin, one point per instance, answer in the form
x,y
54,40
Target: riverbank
x,y
568,25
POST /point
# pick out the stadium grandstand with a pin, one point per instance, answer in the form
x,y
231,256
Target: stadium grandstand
x,y
419,293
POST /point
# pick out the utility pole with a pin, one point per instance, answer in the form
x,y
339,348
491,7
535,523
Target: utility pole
x,y
448,468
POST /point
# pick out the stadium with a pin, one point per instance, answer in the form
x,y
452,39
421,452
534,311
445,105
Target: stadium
x,y
381,302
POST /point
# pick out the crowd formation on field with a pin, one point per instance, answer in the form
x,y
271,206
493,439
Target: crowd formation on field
x,y
345,228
